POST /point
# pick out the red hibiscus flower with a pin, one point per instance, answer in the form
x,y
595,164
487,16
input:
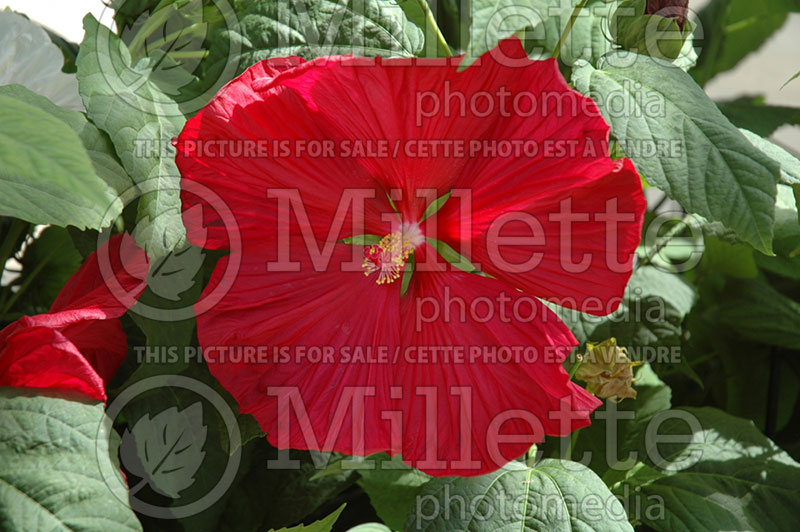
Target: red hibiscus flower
x,y
316,337
78,345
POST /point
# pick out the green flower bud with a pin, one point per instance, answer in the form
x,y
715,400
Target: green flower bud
x,y
634,29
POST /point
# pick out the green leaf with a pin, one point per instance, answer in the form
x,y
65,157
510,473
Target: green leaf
x,y
392,488
323,525
787,223
711,168
452,256
791,79
338,463
68,48
317,28
790,165
97,144
262,495
787,219
739,380
750,112
785,263
650,314
362,240
408,272
46,174
553,496
31,58
758,312
724,475
434,207
735,260
495,20
54,453
141,120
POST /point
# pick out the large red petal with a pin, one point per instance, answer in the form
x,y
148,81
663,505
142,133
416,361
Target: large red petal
x,y
276,316
583,264
229,159
531,105
510,376
421,105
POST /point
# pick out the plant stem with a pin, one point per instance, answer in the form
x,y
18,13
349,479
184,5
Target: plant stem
x,y
6,248
573,438
431,20
153,22
530,456
575,366
175,35
568,28
198,54
666,239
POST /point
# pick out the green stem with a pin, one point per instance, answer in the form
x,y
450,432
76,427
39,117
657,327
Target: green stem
x,y
196,28
153,22
573,438
6,248
199,54
431,20
568,28
574,369
530,456
666,239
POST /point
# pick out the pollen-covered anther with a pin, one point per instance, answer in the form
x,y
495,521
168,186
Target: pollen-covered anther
x,y
387,257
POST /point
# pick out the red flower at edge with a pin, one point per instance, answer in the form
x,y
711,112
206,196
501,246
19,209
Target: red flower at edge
x,y
445,415
78,345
